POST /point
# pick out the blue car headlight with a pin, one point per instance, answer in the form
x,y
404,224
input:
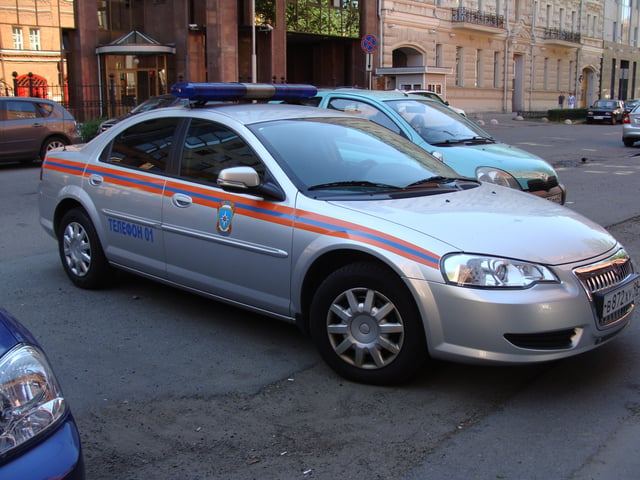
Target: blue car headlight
x,y
31,400
479,271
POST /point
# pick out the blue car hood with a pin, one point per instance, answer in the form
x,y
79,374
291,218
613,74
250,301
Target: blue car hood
x,y
523,165
11,333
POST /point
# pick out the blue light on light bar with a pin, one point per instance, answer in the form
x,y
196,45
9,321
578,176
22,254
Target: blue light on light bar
x,y
242,91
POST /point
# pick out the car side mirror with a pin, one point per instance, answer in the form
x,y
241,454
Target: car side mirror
x,y
242,178
246,179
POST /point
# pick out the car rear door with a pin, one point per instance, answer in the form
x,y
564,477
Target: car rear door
x,y
126,186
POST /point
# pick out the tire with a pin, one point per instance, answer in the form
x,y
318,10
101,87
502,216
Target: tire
x,y
589,120
367,327
51,143
628,142
80,251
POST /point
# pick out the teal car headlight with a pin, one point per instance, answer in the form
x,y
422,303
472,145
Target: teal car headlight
x,y
478,271
31,400
497,176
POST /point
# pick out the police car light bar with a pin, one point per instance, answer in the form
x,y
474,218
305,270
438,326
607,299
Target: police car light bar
x,y
242,91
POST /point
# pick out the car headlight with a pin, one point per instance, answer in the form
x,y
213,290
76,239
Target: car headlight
x,y
493,272
30,398
497,176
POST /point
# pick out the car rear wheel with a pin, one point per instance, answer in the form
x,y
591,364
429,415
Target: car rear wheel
x,y
366,325
50,144
80,251
628,142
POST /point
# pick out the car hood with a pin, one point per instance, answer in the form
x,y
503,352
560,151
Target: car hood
x,y
523,165
11,332
492,220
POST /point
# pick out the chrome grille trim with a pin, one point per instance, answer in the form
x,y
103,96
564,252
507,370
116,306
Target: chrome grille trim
x,y
605,274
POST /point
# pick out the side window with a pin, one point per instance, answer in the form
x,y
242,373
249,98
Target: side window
x,y
18,110
210,147
365,110
145,146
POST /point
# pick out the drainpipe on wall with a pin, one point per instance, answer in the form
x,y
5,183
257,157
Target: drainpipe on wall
x,y
506,56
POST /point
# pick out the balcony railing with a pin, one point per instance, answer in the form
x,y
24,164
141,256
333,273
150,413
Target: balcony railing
x,y
564,35
476,17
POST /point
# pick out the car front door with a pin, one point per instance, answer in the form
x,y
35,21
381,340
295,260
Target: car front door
x,y
233,246
22,130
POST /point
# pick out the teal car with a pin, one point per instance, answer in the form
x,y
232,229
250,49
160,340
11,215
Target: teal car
x,y
457,141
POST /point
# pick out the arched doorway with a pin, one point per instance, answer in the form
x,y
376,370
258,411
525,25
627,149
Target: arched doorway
x,y
31,85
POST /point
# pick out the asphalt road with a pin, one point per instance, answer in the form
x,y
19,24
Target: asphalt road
x,y
168,385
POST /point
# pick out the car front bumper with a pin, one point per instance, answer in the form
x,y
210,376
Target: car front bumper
x,y
542,323
58,456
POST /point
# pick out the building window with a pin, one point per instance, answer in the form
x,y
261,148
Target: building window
x,y
614,37
496,69
545,80
548,16
459,67
559,76
438,55
17,38
34,38
478,68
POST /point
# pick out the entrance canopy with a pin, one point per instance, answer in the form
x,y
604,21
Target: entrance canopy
x,y
135,43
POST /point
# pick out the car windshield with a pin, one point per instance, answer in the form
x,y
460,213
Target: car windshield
x,y
437,124
350,155
605,104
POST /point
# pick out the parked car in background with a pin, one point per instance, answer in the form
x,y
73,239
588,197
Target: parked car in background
x,y
606,111
30,127
38,435
630,104
437,98
384,254
461,143
631,127
159,101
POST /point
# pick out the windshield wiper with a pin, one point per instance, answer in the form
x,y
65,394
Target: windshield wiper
x,y
354,183
477,139
435,181
468,141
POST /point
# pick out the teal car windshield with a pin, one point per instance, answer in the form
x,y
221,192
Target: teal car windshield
x,y
438,124
348,154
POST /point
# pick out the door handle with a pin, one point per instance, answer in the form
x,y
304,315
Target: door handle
x,y
95,180
181,200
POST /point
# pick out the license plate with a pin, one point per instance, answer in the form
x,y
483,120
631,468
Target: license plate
x,y
599,117
617,299
556,198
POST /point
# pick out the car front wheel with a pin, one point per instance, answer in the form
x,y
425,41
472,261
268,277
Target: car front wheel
x,y
80,251
366,325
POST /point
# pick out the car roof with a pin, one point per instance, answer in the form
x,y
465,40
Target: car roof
x,y
381,95
249,113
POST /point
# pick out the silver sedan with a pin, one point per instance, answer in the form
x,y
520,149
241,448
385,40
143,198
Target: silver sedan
x,y
357,235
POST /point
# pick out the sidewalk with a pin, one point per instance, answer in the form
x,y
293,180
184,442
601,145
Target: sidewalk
x,y
485,119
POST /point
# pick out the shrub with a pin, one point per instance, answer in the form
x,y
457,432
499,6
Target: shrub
x,y
562,114
89,129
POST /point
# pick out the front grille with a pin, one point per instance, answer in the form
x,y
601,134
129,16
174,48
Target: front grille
x,y
539,185
558,340
604,275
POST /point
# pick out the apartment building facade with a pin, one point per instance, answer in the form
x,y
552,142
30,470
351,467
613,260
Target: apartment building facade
x,y
483,55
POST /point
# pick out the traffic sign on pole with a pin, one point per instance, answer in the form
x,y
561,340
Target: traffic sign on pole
x,y
369,43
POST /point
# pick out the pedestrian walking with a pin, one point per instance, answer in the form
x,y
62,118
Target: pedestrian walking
x,y
571,101
561,100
